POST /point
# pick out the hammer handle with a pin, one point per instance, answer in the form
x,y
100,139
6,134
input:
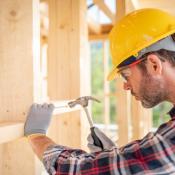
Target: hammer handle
x,y
97,141
88,117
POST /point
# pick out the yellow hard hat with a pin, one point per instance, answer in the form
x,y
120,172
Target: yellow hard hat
x,y
136,31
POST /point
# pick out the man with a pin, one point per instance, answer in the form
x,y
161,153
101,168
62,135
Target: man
x,y
143,53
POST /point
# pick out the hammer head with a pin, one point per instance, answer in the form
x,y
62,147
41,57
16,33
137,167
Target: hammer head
x,y
83,101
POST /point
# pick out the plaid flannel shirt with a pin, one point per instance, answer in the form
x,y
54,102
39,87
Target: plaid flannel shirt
x,y
153,155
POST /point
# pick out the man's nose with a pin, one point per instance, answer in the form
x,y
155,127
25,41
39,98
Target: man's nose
x,y
126,86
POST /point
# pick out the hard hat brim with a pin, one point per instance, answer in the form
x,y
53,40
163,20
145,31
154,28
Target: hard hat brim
x,y
137,31
113,74
165,43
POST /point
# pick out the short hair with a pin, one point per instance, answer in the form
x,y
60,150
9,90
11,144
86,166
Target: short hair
x,y
163,54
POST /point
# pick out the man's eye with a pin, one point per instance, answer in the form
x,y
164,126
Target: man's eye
x,y
124,78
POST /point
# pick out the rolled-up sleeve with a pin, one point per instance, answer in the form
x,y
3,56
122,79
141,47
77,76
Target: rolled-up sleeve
x,y
54,152
154,154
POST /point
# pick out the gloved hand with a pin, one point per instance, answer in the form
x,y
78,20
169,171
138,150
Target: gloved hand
x,y
38,119
106,141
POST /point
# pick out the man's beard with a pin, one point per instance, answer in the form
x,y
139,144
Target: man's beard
x,y
152,91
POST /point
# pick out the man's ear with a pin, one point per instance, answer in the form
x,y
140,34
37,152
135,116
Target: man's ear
x,y
154,65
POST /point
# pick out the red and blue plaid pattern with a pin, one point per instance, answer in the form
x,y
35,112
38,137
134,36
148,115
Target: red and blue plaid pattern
x,y
152,155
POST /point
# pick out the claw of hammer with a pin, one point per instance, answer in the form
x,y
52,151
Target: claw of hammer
x,y
83,101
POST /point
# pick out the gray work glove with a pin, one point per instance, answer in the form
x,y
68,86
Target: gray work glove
x,y
106,141
38,119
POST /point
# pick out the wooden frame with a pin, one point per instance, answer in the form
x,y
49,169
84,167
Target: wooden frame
x,y
94,26
101,4
67,78
15,130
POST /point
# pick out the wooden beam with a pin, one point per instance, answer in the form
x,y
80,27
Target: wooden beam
x,y
160,4
93,26
105,29
129,6
101,4
123,113
67,59
19,79
123,98
93,37
136,4
136,118
106,85
61,107
44,22
10,131
120,9
141,120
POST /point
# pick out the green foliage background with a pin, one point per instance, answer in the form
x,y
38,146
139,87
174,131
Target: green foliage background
x,y
97,78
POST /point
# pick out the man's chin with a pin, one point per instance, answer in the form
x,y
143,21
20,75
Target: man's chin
x,y
147,105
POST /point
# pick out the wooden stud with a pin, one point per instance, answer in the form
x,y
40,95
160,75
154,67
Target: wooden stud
x,y
104,35
15,130
106,28
101,4
19,79
100,37
68,67
106,84
123,113
160,4
123,98
141,120
120,9
93,26
136,4
134,124
129,6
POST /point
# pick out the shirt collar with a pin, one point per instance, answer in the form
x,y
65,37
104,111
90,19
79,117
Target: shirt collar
x,y
172,112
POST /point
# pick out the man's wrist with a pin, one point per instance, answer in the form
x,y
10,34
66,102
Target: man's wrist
x,y
40,143
35,135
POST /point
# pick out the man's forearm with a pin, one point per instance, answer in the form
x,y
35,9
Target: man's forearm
x,y
39,144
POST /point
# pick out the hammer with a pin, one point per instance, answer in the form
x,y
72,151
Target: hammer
x,y
83,101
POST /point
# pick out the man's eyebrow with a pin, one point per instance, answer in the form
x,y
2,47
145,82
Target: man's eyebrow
x,y
125,72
